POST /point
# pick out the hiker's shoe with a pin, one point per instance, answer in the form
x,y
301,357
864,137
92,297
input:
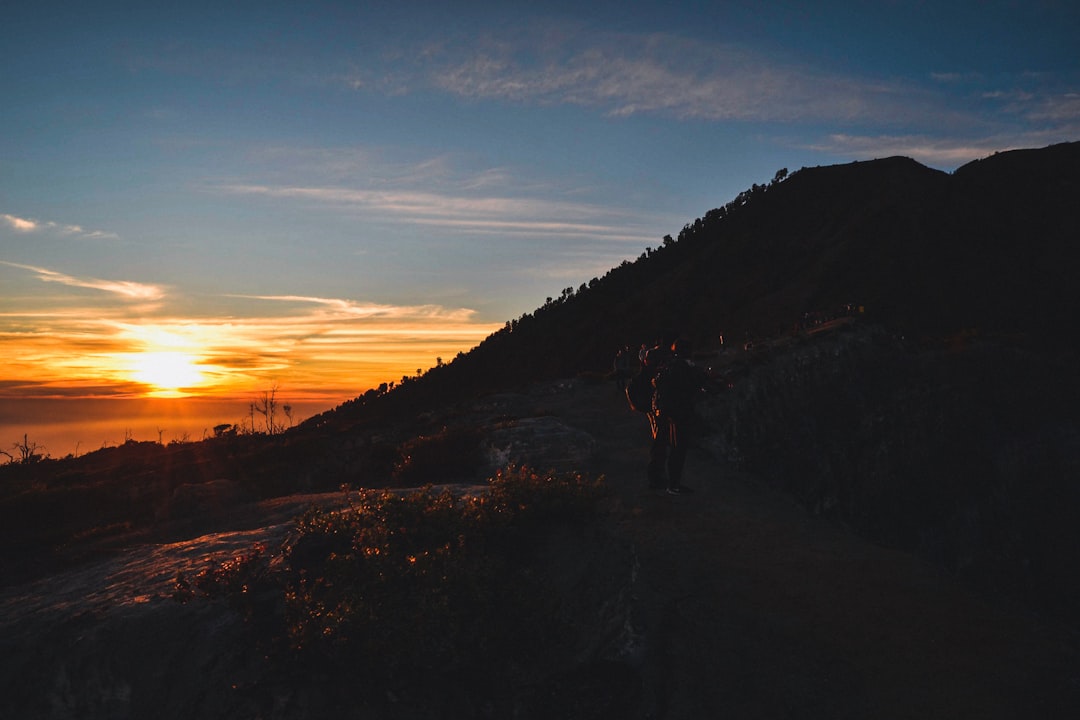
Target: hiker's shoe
x,y
679,490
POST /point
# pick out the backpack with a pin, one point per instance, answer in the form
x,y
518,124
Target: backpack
x,y
639,391
675,389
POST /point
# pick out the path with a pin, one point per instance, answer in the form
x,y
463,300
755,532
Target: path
x,y
760,609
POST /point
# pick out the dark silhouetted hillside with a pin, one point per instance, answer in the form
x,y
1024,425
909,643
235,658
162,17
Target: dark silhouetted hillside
x,y
986,250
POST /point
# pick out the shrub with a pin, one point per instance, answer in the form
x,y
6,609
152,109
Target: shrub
x,y
234,579
408,584
451,454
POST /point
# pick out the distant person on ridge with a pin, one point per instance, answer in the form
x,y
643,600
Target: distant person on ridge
x,y
670,415
678,383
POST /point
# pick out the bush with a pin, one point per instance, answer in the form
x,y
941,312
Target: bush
x,y
407,585
452,454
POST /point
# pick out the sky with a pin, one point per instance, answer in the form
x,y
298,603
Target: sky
x,y
209,200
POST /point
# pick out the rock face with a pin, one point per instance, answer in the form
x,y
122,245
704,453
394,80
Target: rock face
x,y
966,455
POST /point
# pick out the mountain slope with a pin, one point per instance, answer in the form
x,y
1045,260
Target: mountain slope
x,y
986,250
884,523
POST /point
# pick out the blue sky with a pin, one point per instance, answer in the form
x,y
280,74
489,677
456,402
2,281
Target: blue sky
x,y
323,194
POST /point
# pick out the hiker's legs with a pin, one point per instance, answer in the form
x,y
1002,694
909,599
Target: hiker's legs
x,y
658,452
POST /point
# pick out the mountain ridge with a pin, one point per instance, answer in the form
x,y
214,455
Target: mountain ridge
x,y
884,523
984,250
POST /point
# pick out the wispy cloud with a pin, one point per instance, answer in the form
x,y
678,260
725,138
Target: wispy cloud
x,y
27,225
660,74
125,288
948,117
349,309
1020,111
480,214
1062,108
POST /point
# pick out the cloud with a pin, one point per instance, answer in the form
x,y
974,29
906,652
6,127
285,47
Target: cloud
x,y
26,225
1061,108
1018,111
124,288
19,224
660,74
348,309
480,214
939,152
950,78
309,343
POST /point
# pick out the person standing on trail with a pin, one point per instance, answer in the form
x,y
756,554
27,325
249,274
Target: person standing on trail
x,y
654,359
678,383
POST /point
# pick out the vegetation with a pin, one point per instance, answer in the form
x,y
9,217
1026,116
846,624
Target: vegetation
x,y
403,584
25,452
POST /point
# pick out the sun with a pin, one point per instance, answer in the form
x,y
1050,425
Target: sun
x,y
167,371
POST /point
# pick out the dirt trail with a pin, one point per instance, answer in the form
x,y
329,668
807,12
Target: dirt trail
x,y
755,608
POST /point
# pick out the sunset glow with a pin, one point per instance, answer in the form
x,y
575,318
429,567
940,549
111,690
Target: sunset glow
x,y
202,205
310,347
167,373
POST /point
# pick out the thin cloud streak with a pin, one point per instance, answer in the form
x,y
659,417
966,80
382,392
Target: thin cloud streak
x,y
347,309
940,152
27,225
482,214
123,288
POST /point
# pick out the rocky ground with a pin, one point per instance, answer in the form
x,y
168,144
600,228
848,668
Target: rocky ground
x,y
739,603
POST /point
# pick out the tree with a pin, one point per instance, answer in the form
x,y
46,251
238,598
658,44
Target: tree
x,y
267,406
26,452
225,430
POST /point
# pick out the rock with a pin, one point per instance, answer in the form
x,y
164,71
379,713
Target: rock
x,y
545,443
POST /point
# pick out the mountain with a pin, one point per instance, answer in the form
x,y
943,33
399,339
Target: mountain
x,y
885,522
987,250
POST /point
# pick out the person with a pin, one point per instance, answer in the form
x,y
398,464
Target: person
x,y
678,383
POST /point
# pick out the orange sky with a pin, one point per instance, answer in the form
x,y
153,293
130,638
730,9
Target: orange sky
x,y
96,338
94,362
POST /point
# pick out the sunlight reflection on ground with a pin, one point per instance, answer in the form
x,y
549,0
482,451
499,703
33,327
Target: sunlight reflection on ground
x,y
145,573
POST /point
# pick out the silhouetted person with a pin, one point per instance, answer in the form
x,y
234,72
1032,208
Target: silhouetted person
x,y
678,383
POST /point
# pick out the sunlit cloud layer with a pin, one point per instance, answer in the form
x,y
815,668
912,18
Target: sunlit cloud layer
x,y
314,346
